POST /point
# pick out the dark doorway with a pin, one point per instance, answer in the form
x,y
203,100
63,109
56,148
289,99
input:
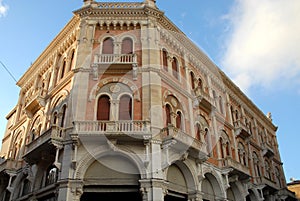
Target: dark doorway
x,y
175,198
111,196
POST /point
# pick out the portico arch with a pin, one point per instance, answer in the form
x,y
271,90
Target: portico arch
x,y
211,188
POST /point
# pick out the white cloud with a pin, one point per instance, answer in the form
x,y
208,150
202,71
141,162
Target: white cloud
x,y
3,9
263,46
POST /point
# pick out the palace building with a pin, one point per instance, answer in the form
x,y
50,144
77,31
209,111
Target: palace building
x,y
122,105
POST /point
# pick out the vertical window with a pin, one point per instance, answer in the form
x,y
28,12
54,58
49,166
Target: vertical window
x,y
175,67
192,80
165,60
125,108
127,46
62,73
72,60
178,120
168,115
52,175
198,132
62,122
108,46
55,118
103,109
200,84
221,146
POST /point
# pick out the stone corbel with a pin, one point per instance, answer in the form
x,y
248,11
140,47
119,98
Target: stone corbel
x,y
134,71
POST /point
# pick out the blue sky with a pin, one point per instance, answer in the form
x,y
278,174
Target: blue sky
x,y
255,42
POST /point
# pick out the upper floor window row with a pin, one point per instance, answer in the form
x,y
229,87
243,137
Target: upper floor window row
x,y
108,46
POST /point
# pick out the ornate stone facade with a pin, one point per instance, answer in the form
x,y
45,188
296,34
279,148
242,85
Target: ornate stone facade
x,y
121,105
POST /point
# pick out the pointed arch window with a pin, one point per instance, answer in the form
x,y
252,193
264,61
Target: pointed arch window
x,y
103,108
168,114
221,105
127,46
175,68
125,108
165,60
108,46
178,120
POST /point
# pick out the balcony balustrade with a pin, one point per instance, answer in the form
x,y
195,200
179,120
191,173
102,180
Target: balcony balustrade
x,y
115,59
241,130
136,129
238,169
184,142
35,102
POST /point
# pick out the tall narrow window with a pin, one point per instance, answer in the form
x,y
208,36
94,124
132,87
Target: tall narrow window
x,y
200,84
108,46
178,120
168,115
198,132
125,108
192,80
175,67
221,147
63,68
55,118
165,60
72,60
62,122
103,109
127,46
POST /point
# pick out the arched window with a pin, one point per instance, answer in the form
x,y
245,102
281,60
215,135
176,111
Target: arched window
x,y
268,169
55,118
175,68
63,116
165,60
221,146
51,175
103,108
200,84
72,60
125,108
63,68
108,46
242,154
127,46
168,114
192,80
178,120
198,131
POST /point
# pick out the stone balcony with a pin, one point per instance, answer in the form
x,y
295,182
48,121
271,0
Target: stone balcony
x,y
115,59
134,130
262,180
35,102
238,169
267,150
241,130
45,144
183,142
204,99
